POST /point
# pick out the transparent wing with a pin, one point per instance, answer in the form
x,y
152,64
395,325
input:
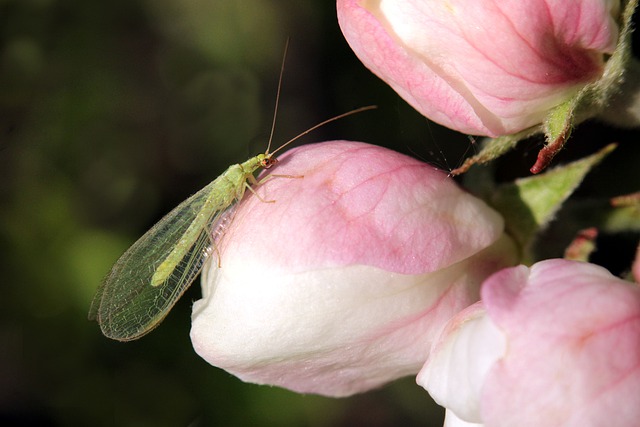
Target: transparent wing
x,y
126,305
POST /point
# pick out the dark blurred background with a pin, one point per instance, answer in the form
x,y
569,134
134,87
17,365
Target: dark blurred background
x,y
111,113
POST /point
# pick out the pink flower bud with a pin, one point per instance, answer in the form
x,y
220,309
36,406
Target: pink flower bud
x,y
482,67
339,285
558,345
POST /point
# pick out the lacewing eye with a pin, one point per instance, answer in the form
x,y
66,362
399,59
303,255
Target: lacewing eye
x,y
267,163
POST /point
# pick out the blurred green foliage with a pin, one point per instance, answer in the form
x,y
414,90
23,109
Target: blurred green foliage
x,y
112,112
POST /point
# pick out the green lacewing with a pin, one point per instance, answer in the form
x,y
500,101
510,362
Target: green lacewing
x,y
149,278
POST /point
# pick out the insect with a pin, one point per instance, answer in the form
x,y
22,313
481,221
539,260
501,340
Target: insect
x,y
149,278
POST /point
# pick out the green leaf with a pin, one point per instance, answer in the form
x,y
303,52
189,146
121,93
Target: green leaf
x,y
492,148
558,120
529,204
622,219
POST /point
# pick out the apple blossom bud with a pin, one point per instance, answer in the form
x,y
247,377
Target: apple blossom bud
x,y
557,344
482,67
339,285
